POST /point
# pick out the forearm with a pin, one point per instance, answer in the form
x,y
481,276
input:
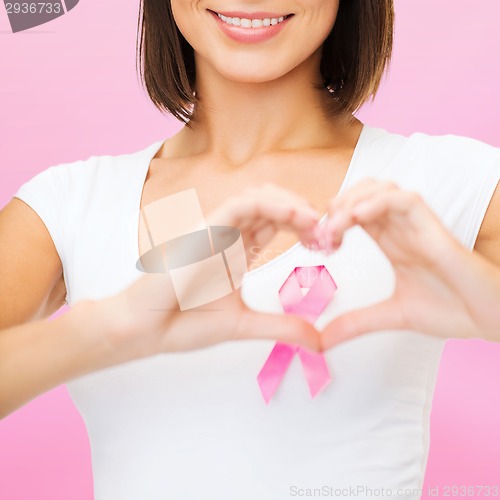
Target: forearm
x,y
486,292
477,282
37,356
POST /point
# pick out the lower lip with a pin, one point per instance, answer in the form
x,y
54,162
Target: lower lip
x,y
249,35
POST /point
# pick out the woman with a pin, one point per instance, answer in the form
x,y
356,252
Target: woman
x,y
270,105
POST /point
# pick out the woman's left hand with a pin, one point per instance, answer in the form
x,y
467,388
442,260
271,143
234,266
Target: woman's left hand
x,y
441,288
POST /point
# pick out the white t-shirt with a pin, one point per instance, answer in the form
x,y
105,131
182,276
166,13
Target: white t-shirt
x,y
194,425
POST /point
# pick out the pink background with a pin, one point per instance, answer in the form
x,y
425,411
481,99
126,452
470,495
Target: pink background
x,y
68,90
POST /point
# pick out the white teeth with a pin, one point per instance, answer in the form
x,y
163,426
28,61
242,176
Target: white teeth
x,y
251,23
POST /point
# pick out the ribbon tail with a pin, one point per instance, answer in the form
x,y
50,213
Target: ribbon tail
x,y
315,369
275,368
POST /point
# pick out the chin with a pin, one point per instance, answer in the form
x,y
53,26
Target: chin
x,y
251,78
251,74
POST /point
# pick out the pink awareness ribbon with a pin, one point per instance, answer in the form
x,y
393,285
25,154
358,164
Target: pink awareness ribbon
x,y
321,289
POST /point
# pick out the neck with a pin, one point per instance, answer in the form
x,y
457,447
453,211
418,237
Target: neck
x,y
238,121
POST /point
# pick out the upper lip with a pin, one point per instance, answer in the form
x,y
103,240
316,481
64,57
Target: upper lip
x,y
252,15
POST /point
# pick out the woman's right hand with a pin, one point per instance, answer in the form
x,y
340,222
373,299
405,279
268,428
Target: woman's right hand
x,y
145,318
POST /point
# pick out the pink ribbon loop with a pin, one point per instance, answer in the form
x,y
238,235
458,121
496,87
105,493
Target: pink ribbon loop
x,y
321,289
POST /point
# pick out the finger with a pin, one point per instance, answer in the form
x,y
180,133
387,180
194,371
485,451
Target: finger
x,y
407,209
281,327
381,205
277,194
255,242
287,213
341,209
260,233
356,193
245,211
250,215
406,220
382,316
271,190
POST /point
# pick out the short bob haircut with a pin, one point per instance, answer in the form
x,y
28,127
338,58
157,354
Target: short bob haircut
x,y
355,55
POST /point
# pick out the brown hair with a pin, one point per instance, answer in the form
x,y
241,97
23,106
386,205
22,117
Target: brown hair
x,y
354,57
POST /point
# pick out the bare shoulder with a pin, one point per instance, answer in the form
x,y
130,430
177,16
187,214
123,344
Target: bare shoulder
x,y
488,240
31,280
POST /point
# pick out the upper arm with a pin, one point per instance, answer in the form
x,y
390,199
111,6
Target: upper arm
x,y
488,240
31,278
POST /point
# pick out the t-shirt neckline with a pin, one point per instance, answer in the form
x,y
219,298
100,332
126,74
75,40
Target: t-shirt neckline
x,y
151,151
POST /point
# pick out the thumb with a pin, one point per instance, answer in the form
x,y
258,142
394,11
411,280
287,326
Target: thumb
x,y
282,327
381,316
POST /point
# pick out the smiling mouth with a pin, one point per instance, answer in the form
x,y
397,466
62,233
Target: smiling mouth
x,y
252,21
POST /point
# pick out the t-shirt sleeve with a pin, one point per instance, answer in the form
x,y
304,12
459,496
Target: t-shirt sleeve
x,y
457,176
489,183
47,193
